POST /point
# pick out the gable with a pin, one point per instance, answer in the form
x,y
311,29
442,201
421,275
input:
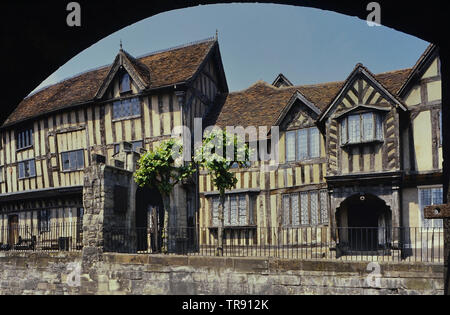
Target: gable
x,y
362,89
361,93
124,63
299,116
282,81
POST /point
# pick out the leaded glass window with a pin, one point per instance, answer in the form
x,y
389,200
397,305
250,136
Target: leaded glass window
x,y
27,169
235,211
125,83
233,217
314,142
314,208
303,144
429,197
368,127
309,208
295,210
24,138
354,129
324,207
72,161
361,128
304,208
286,210
242,210
126,108
290,146
215,211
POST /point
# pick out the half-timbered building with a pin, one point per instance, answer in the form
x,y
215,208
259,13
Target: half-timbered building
x,y
48,141
364,152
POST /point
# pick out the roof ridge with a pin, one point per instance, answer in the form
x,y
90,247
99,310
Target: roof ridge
x,y
258,82
197,42
109,64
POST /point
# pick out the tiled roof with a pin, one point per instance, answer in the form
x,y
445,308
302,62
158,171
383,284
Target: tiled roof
x,y
262,104
163,68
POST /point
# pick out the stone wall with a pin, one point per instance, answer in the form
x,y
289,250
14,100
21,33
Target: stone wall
x,y
71,273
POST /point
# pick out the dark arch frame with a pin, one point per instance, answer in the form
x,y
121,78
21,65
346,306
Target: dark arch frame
x,y
36,40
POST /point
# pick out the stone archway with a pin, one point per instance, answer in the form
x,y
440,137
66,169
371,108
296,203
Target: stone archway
x,y
364,224
149,219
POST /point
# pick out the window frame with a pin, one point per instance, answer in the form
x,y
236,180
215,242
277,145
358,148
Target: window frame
x,y
309,136
319,213
423,221
2,174
249,211
121,102
377,129
44,225
70,169
129,87
440,129
29,176
24,135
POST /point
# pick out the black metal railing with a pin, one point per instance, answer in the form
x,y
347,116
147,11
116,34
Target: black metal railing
x,y
349,244
352,244
40,237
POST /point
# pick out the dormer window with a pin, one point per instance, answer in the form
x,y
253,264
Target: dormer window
x,y
361,128
125,83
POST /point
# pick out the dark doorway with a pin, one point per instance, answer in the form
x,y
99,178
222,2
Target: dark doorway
x,y
364,225
13,235
149,219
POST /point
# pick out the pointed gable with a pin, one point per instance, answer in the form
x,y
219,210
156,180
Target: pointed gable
x,y
362,88
137,71
168,67
298,113
282,81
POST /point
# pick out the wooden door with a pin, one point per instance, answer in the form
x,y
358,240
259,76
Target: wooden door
x,y
13,223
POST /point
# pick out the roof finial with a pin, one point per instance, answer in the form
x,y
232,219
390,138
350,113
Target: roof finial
x,y
120,44
217,34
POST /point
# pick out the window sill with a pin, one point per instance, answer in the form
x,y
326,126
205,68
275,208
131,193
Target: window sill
x,y
25,178
313,160
243,227
301,227
24,149
362,143
126,118
72,171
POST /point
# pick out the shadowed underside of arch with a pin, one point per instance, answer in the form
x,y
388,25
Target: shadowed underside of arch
x,y
36,40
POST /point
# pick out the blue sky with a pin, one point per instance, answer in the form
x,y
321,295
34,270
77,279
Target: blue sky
x,y
258,41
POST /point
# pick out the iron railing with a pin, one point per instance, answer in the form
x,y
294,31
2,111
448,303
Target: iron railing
x,y
40,237
350,244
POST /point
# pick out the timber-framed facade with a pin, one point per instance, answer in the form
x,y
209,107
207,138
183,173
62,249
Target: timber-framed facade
x,y
370,142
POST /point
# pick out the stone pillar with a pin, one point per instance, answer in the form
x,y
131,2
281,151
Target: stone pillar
x,y
395,208
109,202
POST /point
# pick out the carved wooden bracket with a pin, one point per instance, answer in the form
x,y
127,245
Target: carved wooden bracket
x,y
437,212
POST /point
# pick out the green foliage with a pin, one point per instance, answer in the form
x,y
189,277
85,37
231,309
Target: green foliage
x,y
213,157
158,168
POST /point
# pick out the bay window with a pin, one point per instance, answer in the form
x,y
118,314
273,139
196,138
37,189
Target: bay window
x,y
361,128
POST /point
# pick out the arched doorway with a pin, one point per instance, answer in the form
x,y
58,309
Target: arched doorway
x,y
149,219
364,224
